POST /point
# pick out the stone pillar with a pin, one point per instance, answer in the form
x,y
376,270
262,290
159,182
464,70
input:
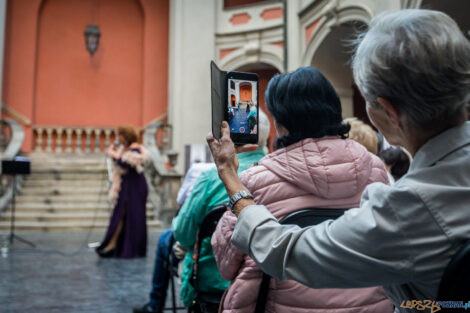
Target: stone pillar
x,y
237,93
68,144
293,36
191,51
3,10
39,139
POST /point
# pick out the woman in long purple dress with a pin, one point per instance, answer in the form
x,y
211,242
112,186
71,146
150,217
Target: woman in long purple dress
x,y
126,236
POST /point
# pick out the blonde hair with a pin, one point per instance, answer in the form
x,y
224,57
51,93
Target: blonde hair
x,y
364,134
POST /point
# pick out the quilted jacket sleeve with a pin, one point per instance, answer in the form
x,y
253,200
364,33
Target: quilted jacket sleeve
x,y
378,173
229,259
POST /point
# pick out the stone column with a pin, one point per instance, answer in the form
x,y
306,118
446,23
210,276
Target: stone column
x,y
293,33
58,143
50,132
78,142
39,139
88,132
189,107
68,143
237,93
3,10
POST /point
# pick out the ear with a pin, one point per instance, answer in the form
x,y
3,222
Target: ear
x,y
393,113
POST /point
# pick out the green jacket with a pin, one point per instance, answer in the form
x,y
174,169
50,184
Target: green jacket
x,y
207,193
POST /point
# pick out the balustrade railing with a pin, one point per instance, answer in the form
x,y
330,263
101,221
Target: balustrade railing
x,y
163,178
64,139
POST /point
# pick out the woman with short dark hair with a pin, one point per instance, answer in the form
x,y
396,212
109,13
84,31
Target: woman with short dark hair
x,y
126,236
314,166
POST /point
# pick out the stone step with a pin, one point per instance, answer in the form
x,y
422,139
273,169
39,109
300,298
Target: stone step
x,y
60,199
68,162
68,225
61,170
80,176
65,206
68,183
64,190
65,216
67,190
66,158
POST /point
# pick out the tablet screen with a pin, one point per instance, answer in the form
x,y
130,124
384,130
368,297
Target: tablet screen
x,y
242,106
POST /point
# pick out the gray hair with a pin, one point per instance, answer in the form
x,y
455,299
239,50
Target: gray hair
x,y
417,59
264,128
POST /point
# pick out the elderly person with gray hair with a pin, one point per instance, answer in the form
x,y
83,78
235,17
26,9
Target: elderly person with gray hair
x,y
413,68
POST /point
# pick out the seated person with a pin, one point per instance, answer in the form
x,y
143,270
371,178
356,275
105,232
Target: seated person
x,y
161,276
314,166
397,162
364,134
207,193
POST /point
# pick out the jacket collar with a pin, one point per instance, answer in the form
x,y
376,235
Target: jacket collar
x,y
441,145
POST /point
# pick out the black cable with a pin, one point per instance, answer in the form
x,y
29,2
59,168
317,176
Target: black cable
x,y
87,237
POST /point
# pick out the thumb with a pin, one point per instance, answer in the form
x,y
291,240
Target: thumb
x,y
225,130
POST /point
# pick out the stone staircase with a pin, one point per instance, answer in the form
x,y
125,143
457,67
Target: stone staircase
x,y
65,192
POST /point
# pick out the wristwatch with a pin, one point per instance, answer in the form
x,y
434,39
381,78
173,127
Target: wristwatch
x,y
244,194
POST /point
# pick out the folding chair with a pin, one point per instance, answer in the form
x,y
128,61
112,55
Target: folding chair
x,y
173,270
205,300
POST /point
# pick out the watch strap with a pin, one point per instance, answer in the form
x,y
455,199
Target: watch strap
x,y
243,194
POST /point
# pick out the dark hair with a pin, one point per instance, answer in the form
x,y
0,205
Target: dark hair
x,y
397,159
306,104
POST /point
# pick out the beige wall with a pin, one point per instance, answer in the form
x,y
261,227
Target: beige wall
x,y
192,42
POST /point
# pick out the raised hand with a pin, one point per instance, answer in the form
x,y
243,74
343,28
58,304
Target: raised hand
x,y
224,153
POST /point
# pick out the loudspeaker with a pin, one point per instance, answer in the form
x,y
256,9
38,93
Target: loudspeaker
x,y
17,166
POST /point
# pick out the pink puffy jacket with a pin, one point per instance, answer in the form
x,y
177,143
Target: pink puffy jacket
x,y
325,173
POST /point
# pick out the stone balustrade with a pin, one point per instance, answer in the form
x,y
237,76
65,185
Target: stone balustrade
x,y
65,139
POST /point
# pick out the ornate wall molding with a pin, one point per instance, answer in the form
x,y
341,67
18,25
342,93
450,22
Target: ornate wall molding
x,y
328,19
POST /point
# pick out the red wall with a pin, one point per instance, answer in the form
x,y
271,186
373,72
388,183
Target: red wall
x,y
50,78
74,89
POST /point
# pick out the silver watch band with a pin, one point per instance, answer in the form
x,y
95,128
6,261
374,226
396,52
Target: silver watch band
x,y
243,194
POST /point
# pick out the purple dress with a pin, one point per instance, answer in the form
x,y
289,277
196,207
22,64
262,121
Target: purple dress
x,y
131,208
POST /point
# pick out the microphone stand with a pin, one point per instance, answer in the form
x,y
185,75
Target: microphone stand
x,y
12,235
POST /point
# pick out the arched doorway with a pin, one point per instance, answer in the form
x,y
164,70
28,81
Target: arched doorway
x,y
245,92
332,58
265,73
71,88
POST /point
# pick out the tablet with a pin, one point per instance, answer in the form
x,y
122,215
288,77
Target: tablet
x,y
235,99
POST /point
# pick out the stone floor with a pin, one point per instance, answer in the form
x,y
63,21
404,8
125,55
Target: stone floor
x,y
59,276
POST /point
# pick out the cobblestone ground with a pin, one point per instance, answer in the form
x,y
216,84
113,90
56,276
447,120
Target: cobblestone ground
x,y
42,280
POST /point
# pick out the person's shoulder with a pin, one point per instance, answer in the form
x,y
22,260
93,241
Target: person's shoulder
x,y
201,166
378,171
253,175
198,169
399,196
208,176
